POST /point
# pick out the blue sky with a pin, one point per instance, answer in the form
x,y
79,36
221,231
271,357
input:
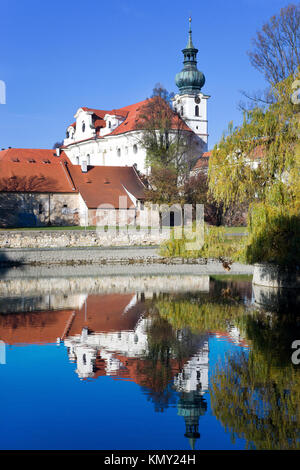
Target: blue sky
x,y
57,56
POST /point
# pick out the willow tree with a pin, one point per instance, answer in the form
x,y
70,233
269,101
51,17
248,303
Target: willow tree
x,y
165,136
258,162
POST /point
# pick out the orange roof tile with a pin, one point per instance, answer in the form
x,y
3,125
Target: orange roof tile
x,y
33,327
105,184
132,117
25,155
39,170
34,170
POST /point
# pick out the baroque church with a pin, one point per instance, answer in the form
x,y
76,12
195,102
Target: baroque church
x,y
112,137
100,162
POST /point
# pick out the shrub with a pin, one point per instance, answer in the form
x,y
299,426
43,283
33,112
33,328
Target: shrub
x,y
216,245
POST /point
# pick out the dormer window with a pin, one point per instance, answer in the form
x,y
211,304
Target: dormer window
x,y
83,126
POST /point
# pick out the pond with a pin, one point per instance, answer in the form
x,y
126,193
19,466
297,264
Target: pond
x,y
147,363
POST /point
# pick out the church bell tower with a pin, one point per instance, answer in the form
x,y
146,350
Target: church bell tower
x,y
190,103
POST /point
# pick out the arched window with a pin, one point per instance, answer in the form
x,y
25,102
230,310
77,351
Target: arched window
x,y
77,160
181,110
83,126
88,159
135,149
84,359
196,110
67,134
119,152
109,124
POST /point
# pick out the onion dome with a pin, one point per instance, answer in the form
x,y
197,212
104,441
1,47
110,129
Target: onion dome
x,y
190,79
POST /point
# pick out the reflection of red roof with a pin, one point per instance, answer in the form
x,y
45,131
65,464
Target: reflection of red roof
x,y
103,313
105,185
225,334
33,327
140,371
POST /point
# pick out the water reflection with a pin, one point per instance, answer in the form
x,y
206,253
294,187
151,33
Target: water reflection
x,y
161,341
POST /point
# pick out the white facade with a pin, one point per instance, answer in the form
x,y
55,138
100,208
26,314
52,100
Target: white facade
x,y
84,146
193,110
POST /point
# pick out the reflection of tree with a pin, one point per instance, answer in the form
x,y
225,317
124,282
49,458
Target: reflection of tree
x,y
201,317
272,335
202,312
166,356
258,402
258,396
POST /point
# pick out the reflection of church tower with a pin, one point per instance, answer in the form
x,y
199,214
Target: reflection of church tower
x,y
191,406
192,383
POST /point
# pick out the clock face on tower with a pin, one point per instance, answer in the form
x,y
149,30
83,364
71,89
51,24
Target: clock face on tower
x,y
197,100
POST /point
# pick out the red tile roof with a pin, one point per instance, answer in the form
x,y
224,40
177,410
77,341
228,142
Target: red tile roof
x,y
34,170
25,155
202,162
105,184
132,117
25,170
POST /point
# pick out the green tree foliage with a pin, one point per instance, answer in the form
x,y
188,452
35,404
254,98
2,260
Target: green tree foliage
x,y
165,137
258,161
203,317
216,245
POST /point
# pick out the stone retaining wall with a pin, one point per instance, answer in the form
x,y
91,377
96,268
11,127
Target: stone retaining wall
x,y
79,238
